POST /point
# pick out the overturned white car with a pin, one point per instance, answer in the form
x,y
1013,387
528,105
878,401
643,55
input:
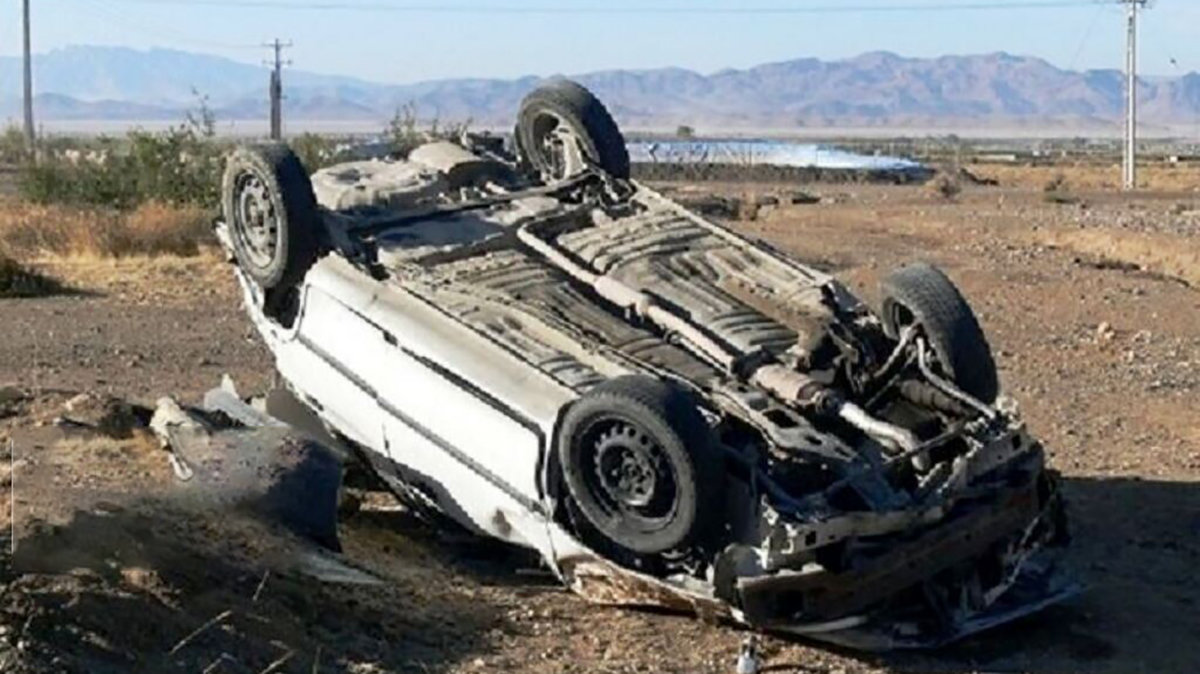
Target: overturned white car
x,y
669,413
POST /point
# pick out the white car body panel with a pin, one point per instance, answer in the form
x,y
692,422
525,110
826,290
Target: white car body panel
x,y
370,387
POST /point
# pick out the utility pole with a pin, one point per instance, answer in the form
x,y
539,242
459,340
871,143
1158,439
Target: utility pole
x,y
1130,163
277,87
30,131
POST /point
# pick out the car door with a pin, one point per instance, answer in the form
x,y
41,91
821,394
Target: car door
x,y
337,366
452,418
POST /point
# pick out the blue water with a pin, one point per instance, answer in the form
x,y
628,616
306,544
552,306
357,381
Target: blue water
x,y
769,152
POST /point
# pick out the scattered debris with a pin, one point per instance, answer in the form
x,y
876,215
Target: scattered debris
x,y
269,468
748,658
329,569
104,414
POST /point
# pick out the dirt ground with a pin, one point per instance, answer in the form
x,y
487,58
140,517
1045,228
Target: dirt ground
x,y
1092,307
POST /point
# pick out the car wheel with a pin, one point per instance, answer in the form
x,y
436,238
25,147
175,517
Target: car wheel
x,y
562,129
271,213
920,294
641,464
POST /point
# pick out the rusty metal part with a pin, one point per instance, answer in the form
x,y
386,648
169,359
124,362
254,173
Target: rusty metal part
x,y
928,395
371,225
602,582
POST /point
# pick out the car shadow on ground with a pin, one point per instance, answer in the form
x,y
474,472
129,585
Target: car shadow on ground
x,y
1135,544
148,587
119,589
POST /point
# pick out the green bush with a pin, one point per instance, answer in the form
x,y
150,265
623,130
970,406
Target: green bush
x,y
179,166
314,150
405,133
12,145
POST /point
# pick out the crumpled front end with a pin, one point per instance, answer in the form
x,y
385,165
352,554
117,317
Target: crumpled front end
x,y
981,547
976,546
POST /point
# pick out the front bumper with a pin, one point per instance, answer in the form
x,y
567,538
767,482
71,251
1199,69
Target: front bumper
x,y
992,561
1040,583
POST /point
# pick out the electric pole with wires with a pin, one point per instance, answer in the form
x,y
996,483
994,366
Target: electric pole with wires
x,y
30,131
1129,167
277,87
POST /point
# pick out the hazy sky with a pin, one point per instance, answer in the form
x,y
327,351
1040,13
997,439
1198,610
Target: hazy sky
x,y
484,38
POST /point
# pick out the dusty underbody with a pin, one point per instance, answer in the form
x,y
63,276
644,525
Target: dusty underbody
x,y
850,476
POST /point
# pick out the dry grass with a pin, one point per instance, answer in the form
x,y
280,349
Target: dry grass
x,y
1160,253
33,231
1156,177
160,280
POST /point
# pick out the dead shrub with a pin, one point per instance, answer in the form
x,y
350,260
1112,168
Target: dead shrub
x,y
1057,191
406,131
945,186
749,210
1059,198
1058,183
158,229
30,230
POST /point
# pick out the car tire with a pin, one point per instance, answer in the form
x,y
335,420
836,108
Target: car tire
x,y
271,212
565,109
922,294
641,465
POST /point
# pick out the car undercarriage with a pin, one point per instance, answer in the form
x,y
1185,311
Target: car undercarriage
x,y
730,431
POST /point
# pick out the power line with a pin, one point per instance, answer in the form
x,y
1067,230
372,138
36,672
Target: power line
x,y
1087,33
377,6
115,18
27,81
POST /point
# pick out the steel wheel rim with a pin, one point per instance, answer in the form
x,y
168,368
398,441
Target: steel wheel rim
x,y
559,146
629,474
256,219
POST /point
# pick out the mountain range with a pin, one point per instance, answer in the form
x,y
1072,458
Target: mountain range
x,y
874,89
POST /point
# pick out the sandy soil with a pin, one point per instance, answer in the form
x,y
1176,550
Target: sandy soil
x,y
1092,309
